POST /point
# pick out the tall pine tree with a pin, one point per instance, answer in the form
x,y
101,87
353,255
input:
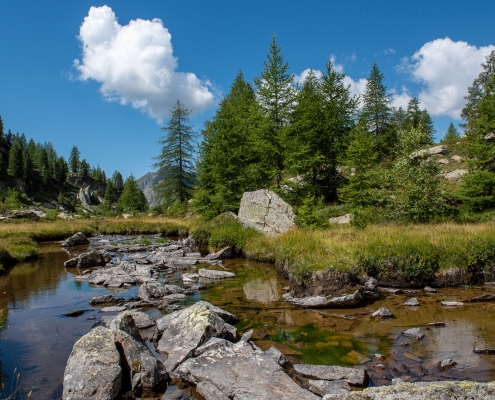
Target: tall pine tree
x,y
175,162
275,94
74,159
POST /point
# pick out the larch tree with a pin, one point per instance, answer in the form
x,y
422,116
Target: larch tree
x,y
376,112
275,94
226,154
175,163
74,159
132,198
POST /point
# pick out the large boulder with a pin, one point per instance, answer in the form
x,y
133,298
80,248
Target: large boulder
x,y
77,239
184,331
147,374
441,149
241,371
456,176
24,214
93,258
93,370
264,211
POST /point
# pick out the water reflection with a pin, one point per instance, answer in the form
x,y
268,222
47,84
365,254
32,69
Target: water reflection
x,y
264,291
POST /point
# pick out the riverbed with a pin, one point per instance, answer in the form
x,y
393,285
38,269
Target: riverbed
x,y
38,338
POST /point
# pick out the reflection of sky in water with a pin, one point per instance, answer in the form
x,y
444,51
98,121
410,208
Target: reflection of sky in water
x,y
264,291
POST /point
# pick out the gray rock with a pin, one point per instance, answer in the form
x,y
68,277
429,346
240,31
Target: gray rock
x,y
113,309
428,152
278,357
223,254
483,350
72,263
142,320
427,390
93,258
347,300
264,211
452,303
353,376
436,324
370,289
335,389
382,313
148,375
446,364
430,289
186,330
105,299
414,333
213,343
93,370
392,290
483,298
77,239
343,219
489,136
379,357
215,274
151,290
456,176
241,372
412,302
457,158
443,161
107,320
24,214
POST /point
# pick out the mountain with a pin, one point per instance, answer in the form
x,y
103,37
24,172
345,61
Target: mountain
x,y
146,183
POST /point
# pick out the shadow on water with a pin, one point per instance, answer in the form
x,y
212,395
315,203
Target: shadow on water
x,y
38,338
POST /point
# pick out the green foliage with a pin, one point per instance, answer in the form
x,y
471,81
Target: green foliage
x,y
14,198
360,158
132,198
452,134
15,168
84,169
276,95
118,182
176,162
376,112
109,194
307,215
177,209
74,159
227,153
478,190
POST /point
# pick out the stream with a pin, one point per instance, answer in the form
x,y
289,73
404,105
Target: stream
x,y
38,338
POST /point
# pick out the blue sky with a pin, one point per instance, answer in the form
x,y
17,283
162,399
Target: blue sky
x,y
130,67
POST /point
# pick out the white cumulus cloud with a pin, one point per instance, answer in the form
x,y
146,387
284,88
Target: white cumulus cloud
x,y
135,64
445,69
299,79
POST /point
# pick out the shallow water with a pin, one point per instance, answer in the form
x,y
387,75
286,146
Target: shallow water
x,y
38,338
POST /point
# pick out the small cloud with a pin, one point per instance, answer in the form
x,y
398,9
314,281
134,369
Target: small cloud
x,y
400,99
299,79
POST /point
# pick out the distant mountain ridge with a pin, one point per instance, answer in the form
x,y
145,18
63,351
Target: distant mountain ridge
x,y
146,183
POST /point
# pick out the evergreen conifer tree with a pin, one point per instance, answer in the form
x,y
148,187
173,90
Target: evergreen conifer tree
x,y
28,165
15,168
74,159
275,94
175,162
132,198
44,166
109,194
118,182
226,154
3,167
1,130
360,157
376,112
84,169
451,134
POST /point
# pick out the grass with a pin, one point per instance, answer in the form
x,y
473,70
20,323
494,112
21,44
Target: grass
x,y
18,240
412,253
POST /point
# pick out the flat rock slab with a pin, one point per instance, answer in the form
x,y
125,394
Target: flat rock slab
x,y
414,333
185,330
113,309
215,274
334,388
240,372
452,304
427,390
353,376
483,298
93,370
347,300
382,313
105,299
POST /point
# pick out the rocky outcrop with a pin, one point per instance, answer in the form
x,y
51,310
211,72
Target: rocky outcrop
x,y
146,183
182,332
427,390
93,258
93,370
241,371
146,373
24,214
428,152
77,239
265,212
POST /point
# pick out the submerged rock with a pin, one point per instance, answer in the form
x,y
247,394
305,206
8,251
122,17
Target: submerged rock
x,y
266,212
353,376
414,333
241,371
77,239
185,330
93,370
347,300
215,274
446,364
383,313
105,299
452,304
